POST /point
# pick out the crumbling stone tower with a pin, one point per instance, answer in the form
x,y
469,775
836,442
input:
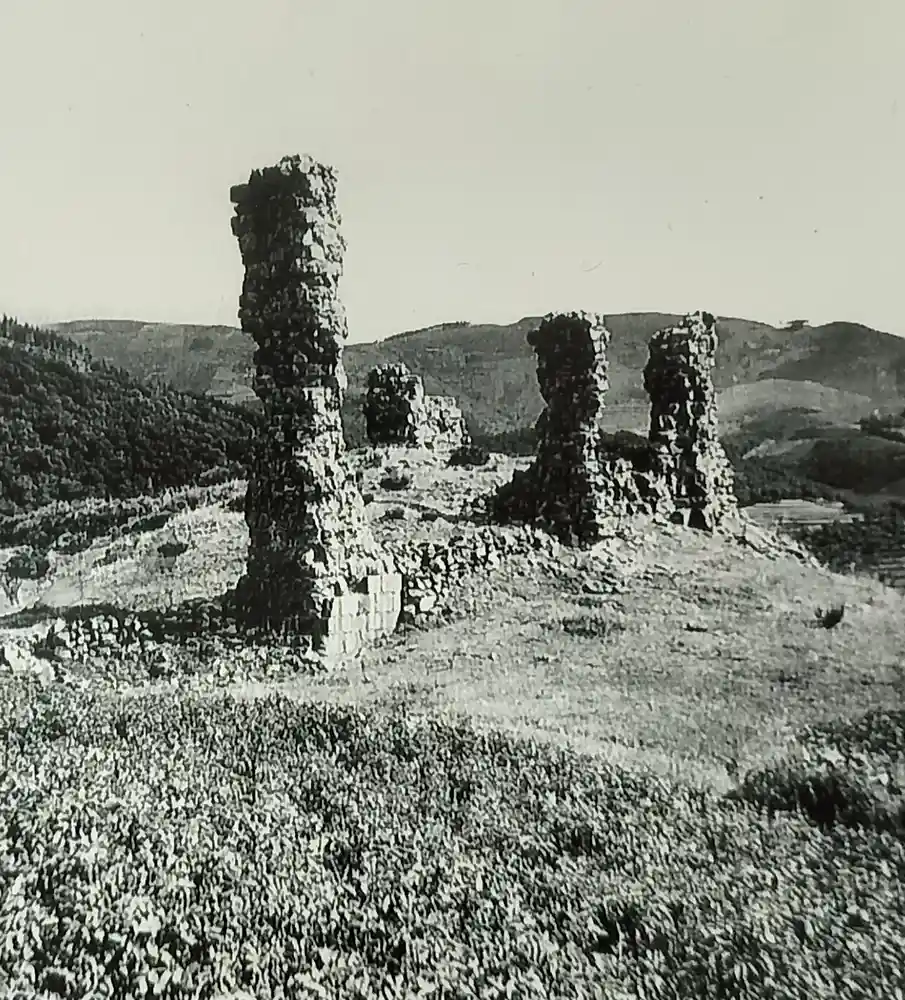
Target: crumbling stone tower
x,y
393,404
397,411
565,488
683,420
313,564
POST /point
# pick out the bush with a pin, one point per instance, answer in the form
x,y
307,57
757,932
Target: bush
x,y
28,564
236,505
171,550
469,455
825,796
150,523
396,480
590,626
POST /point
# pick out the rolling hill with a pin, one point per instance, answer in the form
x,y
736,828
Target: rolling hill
x,y
491,369
72,427
794,396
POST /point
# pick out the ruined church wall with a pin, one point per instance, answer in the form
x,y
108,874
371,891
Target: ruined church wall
x,y
683,432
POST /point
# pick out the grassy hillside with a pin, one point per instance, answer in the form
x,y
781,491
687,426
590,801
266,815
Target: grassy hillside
x,y
491,369
73,428
637,772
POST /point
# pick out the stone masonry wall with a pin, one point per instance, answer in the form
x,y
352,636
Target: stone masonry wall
x,y
443,426
575,485
561,490
393,404
678,378
432,570
397,411
312,560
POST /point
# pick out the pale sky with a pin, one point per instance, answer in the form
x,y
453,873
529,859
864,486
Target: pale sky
x,y
496,158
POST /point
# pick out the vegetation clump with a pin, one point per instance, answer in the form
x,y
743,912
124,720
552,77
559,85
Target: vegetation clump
x,y
396,479
469,455
27,564
846,772
73,428
179,847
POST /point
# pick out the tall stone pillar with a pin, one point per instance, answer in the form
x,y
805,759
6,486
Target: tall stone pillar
x,y
311,555
678,378
566,487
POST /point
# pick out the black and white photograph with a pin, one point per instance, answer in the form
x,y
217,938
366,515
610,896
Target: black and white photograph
x,y
452,500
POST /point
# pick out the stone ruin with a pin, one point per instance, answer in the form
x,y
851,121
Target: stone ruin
x,y
678,378
577,483
314,567
397,411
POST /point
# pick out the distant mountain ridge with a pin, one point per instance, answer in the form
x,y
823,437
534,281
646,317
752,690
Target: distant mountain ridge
x,y
490,368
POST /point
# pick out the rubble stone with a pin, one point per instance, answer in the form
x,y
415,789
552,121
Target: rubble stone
x,y
432,570
574,486
398,412
309,542
678,378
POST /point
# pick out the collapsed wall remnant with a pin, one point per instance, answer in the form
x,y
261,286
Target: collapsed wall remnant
x,y
579,478
313,563
683,421
397,411
564,489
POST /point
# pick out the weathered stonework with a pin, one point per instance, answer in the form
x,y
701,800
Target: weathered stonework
x,y
564,489
579,479
398,412
678,378
443,426
313,564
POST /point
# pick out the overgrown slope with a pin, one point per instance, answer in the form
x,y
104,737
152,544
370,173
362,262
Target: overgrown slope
x,y
72,427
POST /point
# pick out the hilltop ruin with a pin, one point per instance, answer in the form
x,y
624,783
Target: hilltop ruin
x,y
397,411
313,564
314,567
577,484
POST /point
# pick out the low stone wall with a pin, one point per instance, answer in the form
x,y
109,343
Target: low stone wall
x,y
431,570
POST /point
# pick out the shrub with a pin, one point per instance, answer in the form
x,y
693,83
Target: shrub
x,y
28,564
171,550
828,797
590,626
396,480
237,504
151,523
470,455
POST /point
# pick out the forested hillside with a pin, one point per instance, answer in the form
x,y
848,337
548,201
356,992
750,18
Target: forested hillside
x,y
74,427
